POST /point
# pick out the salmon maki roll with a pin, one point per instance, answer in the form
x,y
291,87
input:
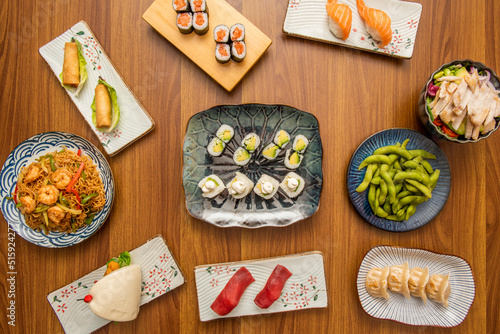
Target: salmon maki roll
x,y
339,19
378,23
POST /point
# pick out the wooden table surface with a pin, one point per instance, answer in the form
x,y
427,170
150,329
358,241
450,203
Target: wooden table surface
x,y
352,93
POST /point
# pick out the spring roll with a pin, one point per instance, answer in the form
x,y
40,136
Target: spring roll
x,y
102,106
71,65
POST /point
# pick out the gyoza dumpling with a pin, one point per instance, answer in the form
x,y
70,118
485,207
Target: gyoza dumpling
x,y
398,279
438,289
417,282
376,282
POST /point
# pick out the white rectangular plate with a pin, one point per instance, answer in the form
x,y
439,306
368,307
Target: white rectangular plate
x,y
309,19
135,121
305,289
413,311
160,274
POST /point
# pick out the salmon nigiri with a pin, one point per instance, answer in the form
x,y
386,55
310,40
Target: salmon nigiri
x,y
340,19
378,23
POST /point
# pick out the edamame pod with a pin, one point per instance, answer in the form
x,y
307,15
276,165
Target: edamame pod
x,y
427,166
404,194
405,143
368,177
375,180
395,218
376,158
383,192
408,175
393,149
371,197
423,153
411,164
398,186
391,189
424,189
380,212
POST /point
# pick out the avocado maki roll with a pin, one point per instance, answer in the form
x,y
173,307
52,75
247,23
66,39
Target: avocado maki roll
x,y
238,51
222,52
221,34
251,142
211,186
200,23
292,184
216,147
300,143
241,156
266,187
293,160
185,22
281,138
180,5
198,5
225,133
271,151
239,186
237,32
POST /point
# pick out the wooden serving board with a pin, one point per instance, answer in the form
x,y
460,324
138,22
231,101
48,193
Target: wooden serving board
x,y
201,49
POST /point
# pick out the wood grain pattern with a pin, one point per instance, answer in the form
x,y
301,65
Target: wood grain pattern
x,y
201,49
352,93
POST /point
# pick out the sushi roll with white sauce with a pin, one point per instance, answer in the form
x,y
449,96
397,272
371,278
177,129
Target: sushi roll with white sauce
x,y
239,186
200,23
198,5
221,34
225,133
185,22
292,184
222,52
241,156
238,51
293,160
282,138
271,151
211,186
216,147
237,32
266,187
300,144
251,142
180,5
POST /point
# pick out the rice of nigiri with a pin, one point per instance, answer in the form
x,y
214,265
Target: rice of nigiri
x,y
378,23
339,19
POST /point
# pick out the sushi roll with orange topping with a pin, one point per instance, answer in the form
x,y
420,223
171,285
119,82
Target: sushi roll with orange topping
x,y
198,5
200,23
238,51
185,22
222,52
221,34
237,32
180,5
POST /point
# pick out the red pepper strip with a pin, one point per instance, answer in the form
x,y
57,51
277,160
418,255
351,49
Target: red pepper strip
x,y
79,153
449,132
230,296
272,291
77,198
437,121
15,195
75,178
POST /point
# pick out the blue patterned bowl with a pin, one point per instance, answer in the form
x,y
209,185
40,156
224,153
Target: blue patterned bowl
x,y
251,211
426,211
413,311
24,154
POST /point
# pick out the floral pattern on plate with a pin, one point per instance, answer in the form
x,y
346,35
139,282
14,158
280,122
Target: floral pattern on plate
x,y
160,274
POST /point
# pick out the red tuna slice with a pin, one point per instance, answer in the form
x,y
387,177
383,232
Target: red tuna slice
x,y
230,296
275,283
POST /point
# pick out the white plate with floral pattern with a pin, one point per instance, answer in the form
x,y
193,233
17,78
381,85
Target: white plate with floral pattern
x,y
305,289
134,122
309,19
160,274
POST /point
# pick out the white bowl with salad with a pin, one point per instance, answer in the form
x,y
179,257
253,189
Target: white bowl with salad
x,y
461,102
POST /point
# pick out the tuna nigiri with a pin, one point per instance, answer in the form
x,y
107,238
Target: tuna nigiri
x,y
378,23
340,19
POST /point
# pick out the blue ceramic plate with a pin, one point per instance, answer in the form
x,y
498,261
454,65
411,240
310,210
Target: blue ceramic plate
x,y
413,311
426,211
24,154
251,211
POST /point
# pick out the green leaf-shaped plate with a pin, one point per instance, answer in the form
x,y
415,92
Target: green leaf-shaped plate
x,y
251,211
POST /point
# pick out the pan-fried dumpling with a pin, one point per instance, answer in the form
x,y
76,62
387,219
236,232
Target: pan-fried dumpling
x,y
376,282
398,279
438,289
417,282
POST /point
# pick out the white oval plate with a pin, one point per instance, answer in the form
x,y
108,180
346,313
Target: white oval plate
x,y
414,311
